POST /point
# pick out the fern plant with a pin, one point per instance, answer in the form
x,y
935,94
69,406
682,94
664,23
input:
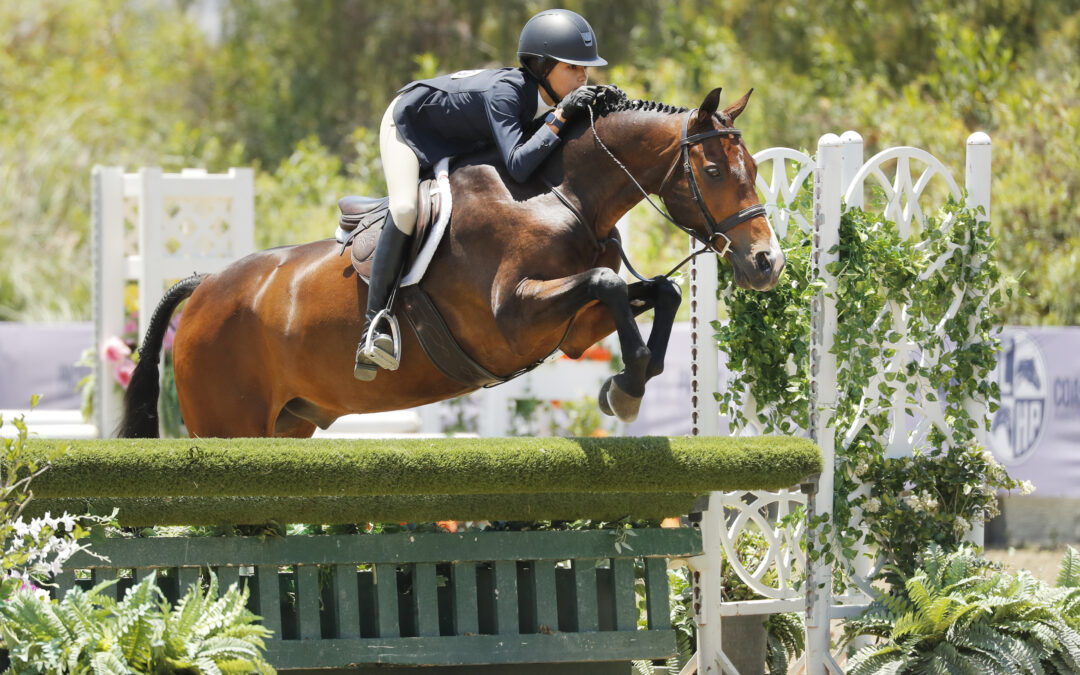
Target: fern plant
x,y
786,640
959,613
90,632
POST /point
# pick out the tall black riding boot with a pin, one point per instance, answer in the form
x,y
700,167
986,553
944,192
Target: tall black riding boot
x,y
389,255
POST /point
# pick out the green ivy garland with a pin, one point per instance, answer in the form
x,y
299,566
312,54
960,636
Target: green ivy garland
x,y
895,505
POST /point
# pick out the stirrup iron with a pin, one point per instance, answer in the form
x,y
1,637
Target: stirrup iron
x,y
378,356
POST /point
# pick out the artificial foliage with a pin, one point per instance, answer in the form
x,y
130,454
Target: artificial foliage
x,y
87,631
958,613
539,478
894,293
227,511
323,467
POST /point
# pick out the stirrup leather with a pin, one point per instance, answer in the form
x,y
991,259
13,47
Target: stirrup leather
x,y
378,356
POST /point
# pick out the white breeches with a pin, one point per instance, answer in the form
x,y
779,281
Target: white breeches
x,y
402,170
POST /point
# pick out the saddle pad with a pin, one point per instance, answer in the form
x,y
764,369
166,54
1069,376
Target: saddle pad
x,y
434,205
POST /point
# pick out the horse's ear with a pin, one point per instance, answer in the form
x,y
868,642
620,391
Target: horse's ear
x,y
708,107
733,110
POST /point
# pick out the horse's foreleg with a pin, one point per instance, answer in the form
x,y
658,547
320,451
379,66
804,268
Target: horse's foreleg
x,y
538,303
666,297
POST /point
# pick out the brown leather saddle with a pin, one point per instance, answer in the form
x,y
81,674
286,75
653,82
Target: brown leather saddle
x,y
362,220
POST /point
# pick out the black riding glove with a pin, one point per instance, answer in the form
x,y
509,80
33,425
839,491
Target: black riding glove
x,y
578,100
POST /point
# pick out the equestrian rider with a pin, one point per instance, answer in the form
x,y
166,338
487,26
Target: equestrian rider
x,y
463,112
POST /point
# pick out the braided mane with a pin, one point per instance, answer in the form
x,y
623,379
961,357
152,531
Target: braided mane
x,y
615,100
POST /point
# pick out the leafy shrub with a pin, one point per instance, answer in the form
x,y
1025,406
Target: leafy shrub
x,y
88,631
32,552
958,613
949,483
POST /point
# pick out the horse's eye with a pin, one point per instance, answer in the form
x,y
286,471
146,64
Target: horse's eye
x,y
713,171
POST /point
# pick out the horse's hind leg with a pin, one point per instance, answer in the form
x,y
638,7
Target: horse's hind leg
x,y
215,405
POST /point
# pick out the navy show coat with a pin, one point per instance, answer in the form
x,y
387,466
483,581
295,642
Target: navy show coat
x,y
474,109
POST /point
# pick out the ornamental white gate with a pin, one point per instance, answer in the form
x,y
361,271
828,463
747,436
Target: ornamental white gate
x,y
153,228
840,179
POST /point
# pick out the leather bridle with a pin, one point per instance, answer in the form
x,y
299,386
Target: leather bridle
x,y
716,230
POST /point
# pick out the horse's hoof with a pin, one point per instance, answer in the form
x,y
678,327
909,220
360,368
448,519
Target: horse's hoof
x,y
601,400
622,404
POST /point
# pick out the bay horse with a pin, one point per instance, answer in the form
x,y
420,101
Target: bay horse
x,y
265,347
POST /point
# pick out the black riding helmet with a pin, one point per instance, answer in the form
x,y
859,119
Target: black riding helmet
x,y
561,35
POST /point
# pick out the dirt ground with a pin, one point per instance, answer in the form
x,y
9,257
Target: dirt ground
x,y
1042,562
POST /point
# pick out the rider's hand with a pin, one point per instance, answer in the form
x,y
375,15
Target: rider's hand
x,y
578,100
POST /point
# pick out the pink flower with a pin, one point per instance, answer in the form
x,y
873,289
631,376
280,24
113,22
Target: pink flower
x,y
170,335
123,373
115,350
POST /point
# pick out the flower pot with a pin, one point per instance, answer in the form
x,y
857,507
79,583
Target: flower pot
x,y
744,640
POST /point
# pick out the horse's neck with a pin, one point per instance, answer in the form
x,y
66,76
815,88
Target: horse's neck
x,y
644,142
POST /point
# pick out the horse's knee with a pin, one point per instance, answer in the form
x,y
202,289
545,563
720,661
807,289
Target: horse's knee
x,y
608,287
668,293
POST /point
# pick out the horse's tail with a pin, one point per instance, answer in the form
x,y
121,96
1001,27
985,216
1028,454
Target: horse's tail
x,y
141,398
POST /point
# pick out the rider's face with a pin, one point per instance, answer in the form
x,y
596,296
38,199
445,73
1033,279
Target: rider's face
x,y
565,78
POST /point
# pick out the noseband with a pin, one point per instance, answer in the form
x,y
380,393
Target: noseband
x,y
716,230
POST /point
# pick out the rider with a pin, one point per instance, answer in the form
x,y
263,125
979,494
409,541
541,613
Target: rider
x,y
459,113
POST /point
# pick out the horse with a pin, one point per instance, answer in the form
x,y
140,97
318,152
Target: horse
x,y
265,347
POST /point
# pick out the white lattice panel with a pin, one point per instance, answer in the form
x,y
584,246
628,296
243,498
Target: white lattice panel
x,y
912,172
778,576
195,227
788,171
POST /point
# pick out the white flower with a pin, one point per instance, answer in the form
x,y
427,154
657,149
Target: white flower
x,y
873,505
961,526
861,469
68,521
1026,487
913,501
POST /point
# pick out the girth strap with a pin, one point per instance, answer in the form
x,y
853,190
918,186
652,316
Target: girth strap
x,y
439,344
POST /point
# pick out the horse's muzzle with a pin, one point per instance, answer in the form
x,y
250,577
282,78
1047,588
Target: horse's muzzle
x,y
760,271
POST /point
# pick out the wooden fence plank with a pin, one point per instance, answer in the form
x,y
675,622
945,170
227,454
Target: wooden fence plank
x,y
65,581
386,594
625,597
227,576
425,600
112,591
466,621
547,599
506,597
475,649
656,594
187,576
347,600
307,601
588,613
269,598
384,548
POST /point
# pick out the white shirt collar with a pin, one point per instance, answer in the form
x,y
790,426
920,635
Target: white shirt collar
x,y
542,108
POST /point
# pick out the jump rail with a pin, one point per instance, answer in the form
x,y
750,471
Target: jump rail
x,y
478,599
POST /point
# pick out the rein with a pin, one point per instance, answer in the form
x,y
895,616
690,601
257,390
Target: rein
x,y
717,230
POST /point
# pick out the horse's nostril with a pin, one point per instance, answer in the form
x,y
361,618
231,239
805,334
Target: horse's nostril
x,y
764,263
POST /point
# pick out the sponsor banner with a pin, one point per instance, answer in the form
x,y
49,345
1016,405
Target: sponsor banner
x,y
1036,431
